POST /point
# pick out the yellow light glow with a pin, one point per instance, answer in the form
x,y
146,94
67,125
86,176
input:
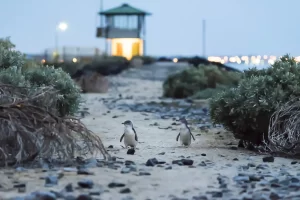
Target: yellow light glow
x,y
74,60
232,59
43,61
175,60
127,47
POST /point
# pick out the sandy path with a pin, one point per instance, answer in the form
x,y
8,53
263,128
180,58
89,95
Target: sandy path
x,y
180,181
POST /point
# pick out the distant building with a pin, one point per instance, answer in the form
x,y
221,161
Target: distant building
x,y
124,30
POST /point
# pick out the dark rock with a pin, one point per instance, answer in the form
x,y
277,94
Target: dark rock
x,y
69,187
177,162
144,173
125,191
19,185
96,192
42,196
131,151
187,162
84,171
162,153
203,154
22,189
199,198
84,197
129,162
254,177
216,194
115,184
268,159
251,165
86,183
151,162
233,148
274,196
202,164
51,180
168,167
295,180
294,162
262,166
235,159
110,147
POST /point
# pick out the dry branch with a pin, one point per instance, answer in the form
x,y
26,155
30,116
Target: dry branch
x,y
284,129
31,127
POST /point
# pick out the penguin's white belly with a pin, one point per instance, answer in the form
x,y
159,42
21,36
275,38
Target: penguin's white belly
x,y
129,139
185,136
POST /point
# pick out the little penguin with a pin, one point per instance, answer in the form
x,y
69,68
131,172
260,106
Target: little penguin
x,y
129,135
185,133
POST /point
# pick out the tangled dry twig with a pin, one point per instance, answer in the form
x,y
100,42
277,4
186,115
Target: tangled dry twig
x,y
284,129
30,127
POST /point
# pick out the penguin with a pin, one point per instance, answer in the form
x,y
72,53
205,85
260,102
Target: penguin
x,y
185,133
129,135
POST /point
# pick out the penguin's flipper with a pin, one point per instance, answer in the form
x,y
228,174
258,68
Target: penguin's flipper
x,y
192,136
122,137
177,137
135,135
191,133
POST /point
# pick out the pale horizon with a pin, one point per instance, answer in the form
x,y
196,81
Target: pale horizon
x,y
234,27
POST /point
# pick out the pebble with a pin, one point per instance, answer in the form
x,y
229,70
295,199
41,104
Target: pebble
x,y
168,167
125,191
84,197
125,170
130,151
115,184
84,171
151,162
144,173
268,159
86,183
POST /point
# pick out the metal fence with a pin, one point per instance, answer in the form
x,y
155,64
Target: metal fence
x,y
67,54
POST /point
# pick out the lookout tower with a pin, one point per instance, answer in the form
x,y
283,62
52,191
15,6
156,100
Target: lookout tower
x,y
124,30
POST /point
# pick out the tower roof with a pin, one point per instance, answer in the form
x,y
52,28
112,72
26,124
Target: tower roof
x,y
124,9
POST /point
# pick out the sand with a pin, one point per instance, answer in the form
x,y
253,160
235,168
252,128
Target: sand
x,y
180,181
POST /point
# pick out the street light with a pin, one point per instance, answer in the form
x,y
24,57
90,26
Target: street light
x,y
61,27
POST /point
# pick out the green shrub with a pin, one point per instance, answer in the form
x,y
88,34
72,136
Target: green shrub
x,y
69,92
190,81
8,56
146,59
246,109
209,92
16,70
68,67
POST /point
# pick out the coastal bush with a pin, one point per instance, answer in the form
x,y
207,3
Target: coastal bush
x,y
194,80
146,59
69,93
246,109
35,103
9,56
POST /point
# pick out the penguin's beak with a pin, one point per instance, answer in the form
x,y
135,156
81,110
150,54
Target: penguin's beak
x,y
122,122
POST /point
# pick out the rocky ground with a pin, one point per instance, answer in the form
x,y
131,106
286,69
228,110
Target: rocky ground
x,y
211,168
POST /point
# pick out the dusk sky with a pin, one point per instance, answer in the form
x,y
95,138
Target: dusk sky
x,y
234,27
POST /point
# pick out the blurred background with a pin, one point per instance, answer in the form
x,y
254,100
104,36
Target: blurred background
x,y
234,32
